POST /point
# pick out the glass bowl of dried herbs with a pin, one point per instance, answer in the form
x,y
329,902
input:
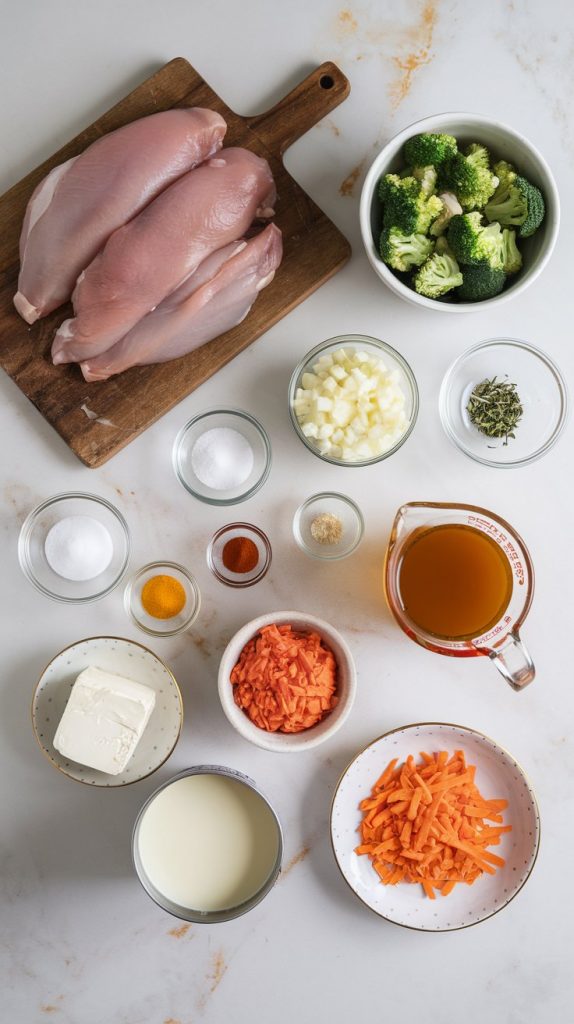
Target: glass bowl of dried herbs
x,y
504,403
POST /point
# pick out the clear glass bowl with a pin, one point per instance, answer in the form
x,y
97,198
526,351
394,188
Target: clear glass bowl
x,y
393,361
215,552
148,623
237,420
33,535
541,389
338,505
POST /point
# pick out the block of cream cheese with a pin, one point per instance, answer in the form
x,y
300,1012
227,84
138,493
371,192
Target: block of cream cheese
x,y
104,720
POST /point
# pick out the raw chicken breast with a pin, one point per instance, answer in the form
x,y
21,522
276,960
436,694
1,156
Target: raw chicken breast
x,y
199,310
147,259
75,209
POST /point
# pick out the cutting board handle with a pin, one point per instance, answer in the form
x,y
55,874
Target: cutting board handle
x,y
314,98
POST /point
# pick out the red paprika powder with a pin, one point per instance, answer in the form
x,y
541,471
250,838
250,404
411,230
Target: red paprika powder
x,y
240,555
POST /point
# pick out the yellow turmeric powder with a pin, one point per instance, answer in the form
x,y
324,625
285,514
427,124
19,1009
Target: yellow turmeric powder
x,y
163,597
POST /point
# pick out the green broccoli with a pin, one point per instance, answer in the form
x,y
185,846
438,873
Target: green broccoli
x,y
437,276
450,206
517,203
472,243
511,255
471,182
478,155
403,252
406,205
481,282
429,148
504,170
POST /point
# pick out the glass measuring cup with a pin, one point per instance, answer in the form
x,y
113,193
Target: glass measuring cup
x,y
501,643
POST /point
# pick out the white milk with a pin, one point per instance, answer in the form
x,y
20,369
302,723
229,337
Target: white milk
x,y
208,842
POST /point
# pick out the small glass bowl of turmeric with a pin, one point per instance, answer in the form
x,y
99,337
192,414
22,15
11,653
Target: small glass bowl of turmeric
x,y
163,599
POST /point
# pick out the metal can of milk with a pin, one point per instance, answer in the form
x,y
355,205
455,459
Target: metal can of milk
x,y
207,845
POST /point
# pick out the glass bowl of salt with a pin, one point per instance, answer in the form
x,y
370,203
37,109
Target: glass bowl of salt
x,y
74,547
222,456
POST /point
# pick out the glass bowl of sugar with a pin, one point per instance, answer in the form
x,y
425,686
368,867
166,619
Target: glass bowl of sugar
x,y
74,547
222,456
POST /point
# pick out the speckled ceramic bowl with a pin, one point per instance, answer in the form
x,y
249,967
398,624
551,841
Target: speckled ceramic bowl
x,y
498,776
289,743
125,658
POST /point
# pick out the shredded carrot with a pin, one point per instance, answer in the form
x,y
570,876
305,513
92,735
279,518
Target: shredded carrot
x,y
428,823
285,681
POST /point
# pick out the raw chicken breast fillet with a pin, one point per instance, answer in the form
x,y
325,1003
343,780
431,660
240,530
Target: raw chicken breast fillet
x,y
147,259
75,209
213,300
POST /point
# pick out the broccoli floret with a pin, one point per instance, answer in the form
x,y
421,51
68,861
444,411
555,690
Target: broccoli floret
x,y
450,206
481,282
403,252
429,148
504,170
517,203
472,183
534,205
511,255
472,243
427,177
478,155
437,276
392,186
406,205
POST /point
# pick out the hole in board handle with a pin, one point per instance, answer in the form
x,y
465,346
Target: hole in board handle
x,y
326,82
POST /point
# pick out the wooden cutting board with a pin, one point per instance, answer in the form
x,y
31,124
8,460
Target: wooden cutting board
x,y
313,251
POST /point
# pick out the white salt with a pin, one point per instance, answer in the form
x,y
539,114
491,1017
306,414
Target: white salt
x,y
222,459
78,548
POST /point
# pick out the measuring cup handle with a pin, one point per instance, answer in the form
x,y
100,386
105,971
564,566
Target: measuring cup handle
x,y
514,662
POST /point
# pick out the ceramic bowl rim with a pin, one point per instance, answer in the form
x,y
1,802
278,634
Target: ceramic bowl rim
x,y
438,122
463,728
283,742
121,639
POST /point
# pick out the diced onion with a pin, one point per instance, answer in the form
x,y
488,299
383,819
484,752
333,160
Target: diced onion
x,y
350,406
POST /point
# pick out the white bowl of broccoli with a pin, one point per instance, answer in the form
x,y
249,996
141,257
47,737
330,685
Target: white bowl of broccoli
x,y
458,210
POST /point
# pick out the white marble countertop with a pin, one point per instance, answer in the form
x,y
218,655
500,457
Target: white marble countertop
x,y
81,942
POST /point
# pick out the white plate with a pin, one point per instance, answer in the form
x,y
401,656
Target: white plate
x,y
498,776
125,658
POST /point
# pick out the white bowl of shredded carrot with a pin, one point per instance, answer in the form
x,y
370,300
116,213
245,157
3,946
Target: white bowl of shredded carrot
x,y
287,681
435,827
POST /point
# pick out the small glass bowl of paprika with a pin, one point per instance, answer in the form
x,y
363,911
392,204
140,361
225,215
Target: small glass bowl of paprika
x,y
239,555
163,599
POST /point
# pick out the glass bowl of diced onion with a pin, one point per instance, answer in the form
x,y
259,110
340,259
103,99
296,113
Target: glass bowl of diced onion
x,y
353,400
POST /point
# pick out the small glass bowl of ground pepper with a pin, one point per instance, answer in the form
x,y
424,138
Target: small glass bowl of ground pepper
x,y
239,555
328,526
163,599
503,403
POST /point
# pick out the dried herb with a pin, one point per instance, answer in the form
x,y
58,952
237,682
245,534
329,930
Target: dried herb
x,y
495,408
